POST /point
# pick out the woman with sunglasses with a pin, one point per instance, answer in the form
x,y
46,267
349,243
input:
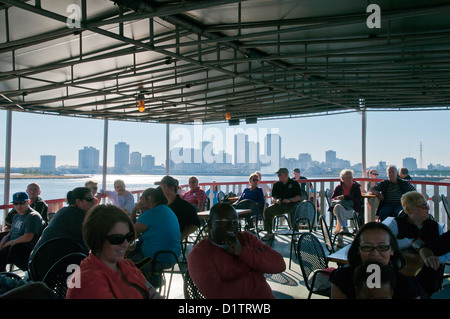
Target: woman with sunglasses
x,y
68,220
373,242
105,273
254,192
414,227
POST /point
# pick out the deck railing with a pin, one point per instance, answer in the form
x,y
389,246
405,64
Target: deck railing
x,y
432,191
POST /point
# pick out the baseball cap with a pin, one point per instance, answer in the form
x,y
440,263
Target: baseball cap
x,y
282,170
168,180
20,197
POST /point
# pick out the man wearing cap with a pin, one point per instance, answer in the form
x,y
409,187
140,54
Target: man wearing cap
x,y
186,213
37,203
286,195
26,227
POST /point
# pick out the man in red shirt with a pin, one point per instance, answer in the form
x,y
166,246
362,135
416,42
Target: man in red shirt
x,y
196,196
232,264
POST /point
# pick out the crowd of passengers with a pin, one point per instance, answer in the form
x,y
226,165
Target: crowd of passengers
x,y
122,239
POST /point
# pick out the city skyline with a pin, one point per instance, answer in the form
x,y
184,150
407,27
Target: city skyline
x,y
391,137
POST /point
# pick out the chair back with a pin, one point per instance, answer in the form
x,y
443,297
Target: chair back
x,y
311,256
446,205
356,222
190,289
328,194
49,253
326,234
202,234
256,213
306,211
248,204
57,277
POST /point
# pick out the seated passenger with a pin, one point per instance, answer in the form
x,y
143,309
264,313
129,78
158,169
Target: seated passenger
x,y
345,199
185,212
286,196
105,273
121,197
68,220
26,227
374,242
196,196
254,192
389,193
158,227
232,264
367,286
36,203
214,195
415,227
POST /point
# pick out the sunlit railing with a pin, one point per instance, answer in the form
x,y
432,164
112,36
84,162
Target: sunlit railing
x,y
432,191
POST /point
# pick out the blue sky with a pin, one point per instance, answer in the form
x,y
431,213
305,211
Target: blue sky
x,y
391,136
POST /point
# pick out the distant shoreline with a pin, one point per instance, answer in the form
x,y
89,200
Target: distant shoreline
x,y
30,176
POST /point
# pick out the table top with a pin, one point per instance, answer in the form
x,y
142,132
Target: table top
x,y
240,212
367,195
412,267
340,256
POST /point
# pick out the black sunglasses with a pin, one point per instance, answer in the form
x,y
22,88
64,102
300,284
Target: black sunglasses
x,y
89,199
117,239
19,203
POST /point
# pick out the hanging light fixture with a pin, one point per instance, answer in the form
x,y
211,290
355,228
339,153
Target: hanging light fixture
x,y
228,116
141,102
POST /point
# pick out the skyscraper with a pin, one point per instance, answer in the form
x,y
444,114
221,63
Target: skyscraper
x,y
48,163
88,159
135,160
121,157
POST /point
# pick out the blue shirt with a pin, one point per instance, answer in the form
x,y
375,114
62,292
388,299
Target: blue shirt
x,y
256,195
163,232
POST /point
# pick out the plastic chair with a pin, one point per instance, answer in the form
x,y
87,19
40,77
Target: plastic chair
x,y
56,277
312,262
191,291
49,253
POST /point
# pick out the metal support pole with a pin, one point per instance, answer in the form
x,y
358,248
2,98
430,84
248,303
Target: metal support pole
x,y
167,149
105,155
7,162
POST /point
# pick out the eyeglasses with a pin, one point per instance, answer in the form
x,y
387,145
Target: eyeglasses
x,y
19,203
376,174
424,206
255,180
117,239
235,222
369,249
89,199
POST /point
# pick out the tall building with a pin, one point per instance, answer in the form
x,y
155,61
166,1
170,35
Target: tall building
x,y
330,157
48,164
88,159
135,160
121,157
271,150
410,163
148,162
